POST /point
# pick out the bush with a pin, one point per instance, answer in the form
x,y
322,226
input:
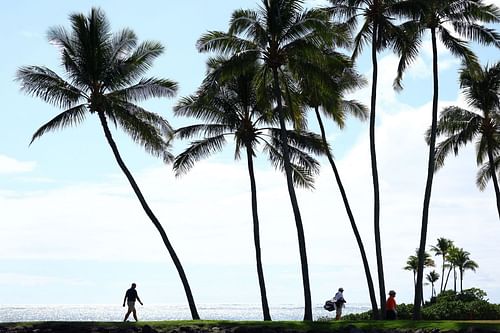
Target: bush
x,y
448,305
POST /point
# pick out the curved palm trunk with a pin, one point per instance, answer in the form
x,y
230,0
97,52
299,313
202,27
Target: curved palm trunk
x,y
494,176
447,277
417,313
149,213
442,273
369,280
376,195
256,237
293,200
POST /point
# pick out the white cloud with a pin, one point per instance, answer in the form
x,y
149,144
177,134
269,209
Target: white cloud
x,y
10,165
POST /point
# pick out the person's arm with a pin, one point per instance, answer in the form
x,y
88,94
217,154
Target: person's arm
x,y
139,300
124,299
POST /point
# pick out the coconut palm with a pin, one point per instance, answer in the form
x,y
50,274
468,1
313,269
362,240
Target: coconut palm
x,y
461,260
432,277
481,123
438,16
412,264
229,107
377,28
441,249
279,34
323,89
104,73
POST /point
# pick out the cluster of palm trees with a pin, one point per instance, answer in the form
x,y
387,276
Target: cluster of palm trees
x,y
453,259
272,66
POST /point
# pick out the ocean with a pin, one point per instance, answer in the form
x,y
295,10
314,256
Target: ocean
x,y
16,313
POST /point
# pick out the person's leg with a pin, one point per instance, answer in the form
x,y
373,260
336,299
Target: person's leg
x,y
135,315
127,314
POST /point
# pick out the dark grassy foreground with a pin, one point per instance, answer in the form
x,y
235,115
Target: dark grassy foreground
x,y
189,326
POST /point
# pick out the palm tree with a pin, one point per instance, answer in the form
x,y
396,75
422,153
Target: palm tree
x,y
461,126
323,89
438,16
230,108
379,30
101,69
450,258
461,260
441,249
412,265
279,34
432,277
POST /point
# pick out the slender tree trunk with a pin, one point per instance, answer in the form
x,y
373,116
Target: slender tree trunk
x,y
461,280
447,277
376,195
256,237
293,200
417,314
149,213
442,274
494,175
368,275
454,279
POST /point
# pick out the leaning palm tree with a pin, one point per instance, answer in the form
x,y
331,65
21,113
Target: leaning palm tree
x,y
481,123
379,30
103,73
323,89
278,34
438,16
230,107
432,277
441,248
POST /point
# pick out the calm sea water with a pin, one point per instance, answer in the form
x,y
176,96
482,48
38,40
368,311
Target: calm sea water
x,y
15,313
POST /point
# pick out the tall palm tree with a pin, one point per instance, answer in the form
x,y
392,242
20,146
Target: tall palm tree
x,y
461,260
481,123
379,30
323,89
441,249
229,107
101,69
432,277
450,258
438,16
279,33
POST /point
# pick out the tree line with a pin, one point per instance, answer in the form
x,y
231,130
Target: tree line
x,y
273,66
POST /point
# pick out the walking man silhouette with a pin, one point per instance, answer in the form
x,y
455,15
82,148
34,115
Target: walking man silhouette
x,y
130,297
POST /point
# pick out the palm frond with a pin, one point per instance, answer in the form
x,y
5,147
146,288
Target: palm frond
x,y
146,89
70,117
196,151
45,84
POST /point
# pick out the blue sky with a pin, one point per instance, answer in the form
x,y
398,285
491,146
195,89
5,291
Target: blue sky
x,y
72,232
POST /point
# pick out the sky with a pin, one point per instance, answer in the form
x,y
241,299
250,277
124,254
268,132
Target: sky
x,y
72,231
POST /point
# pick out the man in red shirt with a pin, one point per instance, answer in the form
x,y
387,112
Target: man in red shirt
x,y
390,306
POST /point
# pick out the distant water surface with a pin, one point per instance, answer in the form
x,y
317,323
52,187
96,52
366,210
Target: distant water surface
x,y
16,313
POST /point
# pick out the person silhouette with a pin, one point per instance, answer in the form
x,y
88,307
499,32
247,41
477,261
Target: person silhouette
x,y
130,297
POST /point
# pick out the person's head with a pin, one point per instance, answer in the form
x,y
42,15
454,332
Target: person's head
x,y
341,289
392,293
133,285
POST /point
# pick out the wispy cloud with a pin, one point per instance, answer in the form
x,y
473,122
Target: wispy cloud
x,y
10,165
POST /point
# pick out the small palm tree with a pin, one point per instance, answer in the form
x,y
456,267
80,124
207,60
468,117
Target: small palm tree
x,y
230,107
279,34
461,260
438,16
432,277
441,249
481,123
101,69
412,265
